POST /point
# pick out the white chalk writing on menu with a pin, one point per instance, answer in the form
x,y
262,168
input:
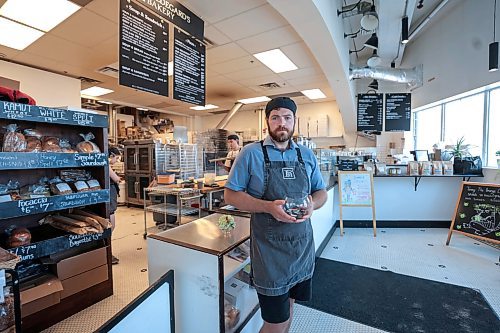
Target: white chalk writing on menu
x,y
77,240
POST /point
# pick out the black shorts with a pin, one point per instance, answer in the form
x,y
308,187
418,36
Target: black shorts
x,y
276,309
113,199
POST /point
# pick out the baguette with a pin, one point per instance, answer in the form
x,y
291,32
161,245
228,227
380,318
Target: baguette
x,y
69,221
91,222
104,222
65,227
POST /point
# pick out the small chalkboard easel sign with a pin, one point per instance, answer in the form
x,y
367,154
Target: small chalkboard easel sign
x,y
477,213
356,190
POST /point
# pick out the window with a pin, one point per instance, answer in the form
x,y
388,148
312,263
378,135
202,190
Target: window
x,y
494,131
428,128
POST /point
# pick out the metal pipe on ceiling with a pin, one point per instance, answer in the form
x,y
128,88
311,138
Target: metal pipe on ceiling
x,y
223,123
413,77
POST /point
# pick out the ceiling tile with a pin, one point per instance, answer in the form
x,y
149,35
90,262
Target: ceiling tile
x,y
259,70
7,52
252,22
216,36
236,65
109,9
255,81
300,55
270,40
301,72
224,53
216,10
85,28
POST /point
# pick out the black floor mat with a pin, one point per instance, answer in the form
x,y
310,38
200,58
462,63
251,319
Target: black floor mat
x,y
398,303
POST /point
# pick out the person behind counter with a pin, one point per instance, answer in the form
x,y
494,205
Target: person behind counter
x,y
114,191
233,143
282,245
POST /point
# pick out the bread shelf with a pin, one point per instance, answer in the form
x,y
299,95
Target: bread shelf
x,y
233,266
46,160
53,203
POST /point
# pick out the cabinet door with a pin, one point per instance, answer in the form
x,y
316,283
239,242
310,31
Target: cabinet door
x,y
130,159
144,159
143,183
131,187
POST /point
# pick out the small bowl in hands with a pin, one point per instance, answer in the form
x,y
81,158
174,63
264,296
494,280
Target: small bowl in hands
x,y
297,207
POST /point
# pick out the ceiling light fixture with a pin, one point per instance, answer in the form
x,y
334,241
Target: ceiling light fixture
x,y
374,60
369,21
420,4
142,109
348,8
206,107
24,35
493,49
95,91
42,15
254,100
404,30
373,85
276,60
393,64
313,93
372,42
105,102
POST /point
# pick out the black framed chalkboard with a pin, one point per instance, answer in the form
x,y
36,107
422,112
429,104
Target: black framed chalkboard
x,y
477,213
397,112
370,112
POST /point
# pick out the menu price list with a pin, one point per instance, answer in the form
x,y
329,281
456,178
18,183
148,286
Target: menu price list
x,y
189,69
370,113
143,49
397,112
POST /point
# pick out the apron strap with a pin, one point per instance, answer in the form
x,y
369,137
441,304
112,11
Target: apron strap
x,y
266,156
299,156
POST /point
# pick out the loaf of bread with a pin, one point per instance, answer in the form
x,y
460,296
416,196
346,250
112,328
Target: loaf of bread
x,y
102,221
19,237
33,144
13,140
51,144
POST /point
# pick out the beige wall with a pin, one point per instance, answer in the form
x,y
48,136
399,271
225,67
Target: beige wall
x,y
46,88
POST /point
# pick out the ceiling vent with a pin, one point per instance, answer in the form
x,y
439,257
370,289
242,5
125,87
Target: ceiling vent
x,y
88,80
90,104
269,85
291,94
109,71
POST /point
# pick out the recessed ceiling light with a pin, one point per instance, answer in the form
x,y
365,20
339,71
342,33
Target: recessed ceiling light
x,y
43,15
95,91
104,102
17,36
276,60
206,107
142,109
313,93
254,100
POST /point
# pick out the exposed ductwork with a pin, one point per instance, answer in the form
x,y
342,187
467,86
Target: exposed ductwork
x,y
223,123
412,77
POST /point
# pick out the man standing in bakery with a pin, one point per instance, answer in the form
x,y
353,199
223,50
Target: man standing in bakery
x,y
114,191
233,143
282,246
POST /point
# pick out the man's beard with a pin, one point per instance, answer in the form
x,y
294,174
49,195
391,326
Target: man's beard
x,y
284,134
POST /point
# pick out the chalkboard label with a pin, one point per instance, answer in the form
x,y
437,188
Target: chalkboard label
x,y
143,49
478,211
348,165
57,244
22,161
397,112
178,15
53,203
42,114
370,112
189,69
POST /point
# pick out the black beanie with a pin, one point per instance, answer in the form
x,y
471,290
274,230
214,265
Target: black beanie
x,y
233,137
280,102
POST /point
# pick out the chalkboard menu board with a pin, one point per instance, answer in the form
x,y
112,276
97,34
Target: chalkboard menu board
x,y
370,112
478,211
189,69
46,160
143,49
42,114
355,188
397,112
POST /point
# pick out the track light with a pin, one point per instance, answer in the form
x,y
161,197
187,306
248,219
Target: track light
x,y
373,85
393,64
348,8
404,30
369,21
420,4
372,42
493,50
374,60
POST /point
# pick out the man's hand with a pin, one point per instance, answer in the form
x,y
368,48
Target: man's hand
x,y
309,211
275,208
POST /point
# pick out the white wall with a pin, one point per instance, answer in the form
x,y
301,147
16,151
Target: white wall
x,y
46,88
454,52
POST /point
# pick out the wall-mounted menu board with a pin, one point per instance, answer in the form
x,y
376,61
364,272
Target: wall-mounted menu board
x,y
143,49
189,69
370,113
397,112
477,213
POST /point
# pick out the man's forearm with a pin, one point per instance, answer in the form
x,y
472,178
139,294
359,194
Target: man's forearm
x,y
319,198
244,201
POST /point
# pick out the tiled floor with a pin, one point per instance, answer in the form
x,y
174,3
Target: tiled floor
x,y
416,252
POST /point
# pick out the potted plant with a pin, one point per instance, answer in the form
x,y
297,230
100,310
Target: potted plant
x,y
463,162
497,154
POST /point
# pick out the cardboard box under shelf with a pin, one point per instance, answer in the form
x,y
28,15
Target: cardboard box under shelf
x,y
45,292
84,280
81,263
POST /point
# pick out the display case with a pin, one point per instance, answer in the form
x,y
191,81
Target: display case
x,y
28,168
201,256
327,160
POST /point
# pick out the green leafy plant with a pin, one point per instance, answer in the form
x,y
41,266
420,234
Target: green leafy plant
x,y
497,153
459,149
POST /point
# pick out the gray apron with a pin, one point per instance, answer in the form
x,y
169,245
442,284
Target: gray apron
x,y
282,253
